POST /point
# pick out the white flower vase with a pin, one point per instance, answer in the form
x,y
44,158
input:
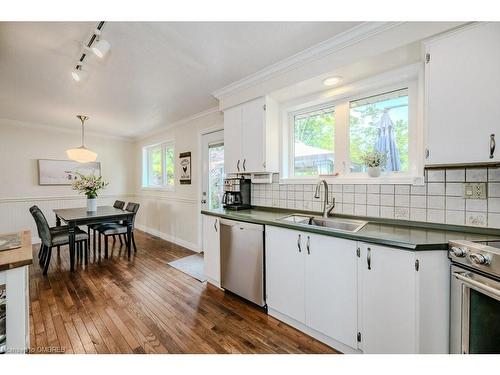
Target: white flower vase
x,y
373,171
91,204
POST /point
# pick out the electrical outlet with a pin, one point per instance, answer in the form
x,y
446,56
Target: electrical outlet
x,y
475,190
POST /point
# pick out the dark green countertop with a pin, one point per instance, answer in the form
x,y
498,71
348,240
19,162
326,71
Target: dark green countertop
x,y
406,235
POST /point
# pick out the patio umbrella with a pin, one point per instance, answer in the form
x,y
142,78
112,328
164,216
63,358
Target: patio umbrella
x,y
386,143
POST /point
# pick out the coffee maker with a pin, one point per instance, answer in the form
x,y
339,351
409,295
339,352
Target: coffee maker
x,y
236,193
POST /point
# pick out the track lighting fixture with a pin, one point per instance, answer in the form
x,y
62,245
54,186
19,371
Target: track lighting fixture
x,y
78,73
96,45
102,46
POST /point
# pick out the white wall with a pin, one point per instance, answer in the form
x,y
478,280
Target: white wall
x,y
22,144
175,215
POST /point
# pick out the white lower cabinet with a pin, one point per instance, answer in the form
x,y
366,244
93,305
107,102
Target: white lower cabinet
x,y
387,299
312,279
211,248
358,297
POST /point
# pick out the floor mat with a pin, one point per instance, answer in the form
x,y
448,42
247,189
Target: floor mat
x,y
191,265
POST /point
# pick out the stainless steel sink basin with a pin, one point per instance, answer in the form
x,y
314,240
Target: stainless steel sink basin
x,y
338,224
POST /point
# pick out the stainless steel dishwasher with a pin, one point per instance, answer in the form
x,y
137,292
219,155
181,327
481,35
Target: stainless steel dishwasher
x,y
242,259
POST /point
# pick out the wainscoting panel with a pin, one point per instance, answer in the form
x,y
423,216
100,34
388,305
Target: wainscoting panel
x,y
173,219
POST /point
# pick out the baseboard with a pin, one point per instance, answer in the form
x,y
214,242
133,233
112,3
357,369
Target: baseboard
x,y
337,345
170,238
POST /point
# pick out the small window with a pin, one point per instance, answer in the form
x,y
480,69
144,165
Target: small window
x,y
380,123
313,142
158,166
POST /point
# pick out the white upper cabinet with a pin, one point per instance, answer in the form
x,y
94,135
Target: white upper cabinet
x,y
251,136
462,95
387,294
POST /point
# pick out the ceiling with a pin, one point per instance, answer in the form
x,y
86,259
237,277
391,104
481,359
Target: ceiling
x,y
156,73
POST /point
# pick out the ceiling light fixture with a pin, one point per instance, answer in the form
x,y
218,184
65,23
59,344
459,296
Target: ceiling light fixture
x,y
100,49
78,73
332,81
82,154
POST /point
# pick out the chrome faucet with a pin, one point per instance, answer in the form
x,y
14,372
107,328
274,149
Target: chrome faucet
x,y
327,208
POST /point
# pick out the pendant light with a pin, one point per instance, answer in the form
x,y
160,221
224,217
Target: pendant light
x,y
82,154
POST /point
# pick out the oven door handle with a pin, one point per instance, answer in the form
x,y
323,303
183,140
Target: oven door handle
x,y
466,279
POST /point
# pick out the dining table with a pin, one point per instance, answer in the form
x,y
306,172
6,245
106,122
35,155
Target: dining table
x,y
74,217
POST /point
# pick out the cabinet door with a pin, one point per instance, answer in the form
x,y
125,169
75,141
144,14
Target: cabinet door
x,y
462,91
387,299
285,272
331,287
232,140
253,136
211,248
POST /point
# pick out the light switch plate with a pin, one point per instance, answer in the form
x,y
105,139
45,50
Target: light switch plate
x,y
475,190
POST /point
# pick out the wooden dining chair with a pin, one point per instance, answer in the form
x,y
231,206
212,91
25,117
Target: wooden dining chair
x,y
55,237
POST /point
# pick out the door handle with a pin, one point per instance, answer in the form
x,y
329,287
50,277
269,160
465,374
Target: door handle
x,y
203,201
369,258
215,225
244,161
298,243
238,165
469,281
493,145
308,245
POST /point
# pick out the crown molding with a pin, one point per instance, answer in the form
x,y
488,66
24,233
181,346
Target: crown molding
x,y
162,128
343,40
74,130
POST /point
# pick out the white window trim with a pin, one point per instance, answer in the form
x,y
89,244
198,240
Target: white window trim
x,y
146,167
409,76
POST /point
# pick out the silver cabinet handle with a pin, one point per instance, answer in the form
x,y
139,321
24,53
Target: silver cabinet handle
x,y
238,165
215,225
244,161
308,245
493,145
298,243
369,258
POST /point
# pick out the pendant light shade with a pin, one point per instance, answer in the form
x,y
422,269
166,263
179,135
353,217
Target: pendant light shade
x,y
82,154
101,48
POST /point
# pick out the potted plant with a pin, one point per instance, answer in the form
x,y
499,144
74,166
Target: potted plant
x,y
89,185
373,160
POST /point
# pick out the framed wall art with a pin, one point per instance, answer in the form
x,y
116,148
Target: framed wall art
x,y
64,172
185,168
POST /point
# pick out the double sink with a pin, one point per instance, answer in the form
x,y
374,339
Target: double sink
x,y
335,224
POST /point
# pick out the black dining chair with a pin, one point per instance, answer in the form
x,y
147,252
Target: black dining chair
x,y
114,229
118,204
55,237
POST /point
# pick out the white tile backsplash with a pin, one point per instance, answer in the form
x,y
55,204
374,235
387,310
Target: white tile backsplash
x,y
440,200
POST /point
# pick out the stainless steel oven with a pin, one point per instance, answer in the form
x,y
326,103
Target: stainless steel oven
x,y
475,297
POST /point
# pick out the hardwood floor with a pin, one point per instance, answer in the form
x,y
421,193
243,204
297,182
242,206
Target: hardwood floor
x,y
145,306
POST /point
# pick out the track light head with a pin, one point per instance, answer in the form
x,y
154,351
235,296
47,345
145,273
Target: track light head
x,y
79,74
101,48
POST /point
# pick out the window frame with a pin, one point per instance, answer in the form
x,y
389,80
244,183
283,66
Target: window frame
x,y
291,132
147,166
410,77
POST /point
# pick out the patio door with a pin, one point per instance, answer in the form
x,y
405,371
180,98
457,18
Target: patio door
x,y
212,145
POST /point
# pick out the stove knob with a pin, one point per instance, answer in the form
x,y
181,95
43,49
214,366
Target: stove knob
x,y
480,259
458,252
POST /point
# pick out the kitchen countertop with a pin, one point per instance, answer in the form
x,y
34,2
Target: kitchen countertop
x,y
21,256
406,235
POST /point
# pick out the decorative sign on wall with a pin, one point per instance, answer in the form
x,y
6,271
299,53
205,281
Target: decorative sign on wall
x,y
63,172
185,168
